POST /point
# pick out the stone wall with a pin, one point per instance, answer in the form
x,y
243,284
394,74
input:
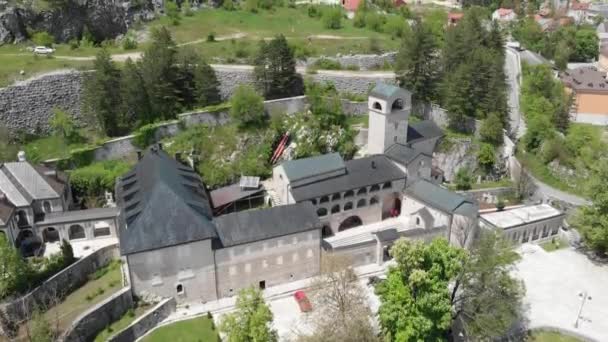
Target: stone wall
x,y
361,62
59,285
97,318
146,322
28,106
490,195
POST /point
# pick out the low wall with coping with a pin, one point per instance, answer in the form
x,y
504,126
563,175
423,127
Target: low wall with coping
x,y
58,286
360,62
489,195
97,318
146,322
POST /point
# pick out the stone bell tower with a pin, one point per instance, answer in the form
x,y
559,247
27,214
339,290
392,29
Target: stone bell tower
x,y
389,110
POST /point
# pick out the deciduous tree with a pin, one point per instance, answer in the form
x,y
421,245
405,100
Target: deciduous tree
x,y
592,220
252,320
247,107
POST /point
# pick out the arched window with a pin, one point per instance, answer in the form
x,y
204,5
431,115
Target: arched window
x,y
417,221
336,197
387,185
348,206
22,218
47,206
398,104
50,234
321,212
362,203
313,201
377,106
374,188
335,209
349,193
324,199
76,232
180,288
373,201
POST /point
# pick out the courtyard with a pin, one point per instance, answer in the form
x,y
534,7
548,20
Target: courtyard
x,y
555,284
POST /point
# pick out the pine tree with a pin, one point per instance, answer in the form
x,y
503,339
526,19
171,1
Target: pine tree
x,y
187,63
417,66
159,74
207,85
102,95
135,104
275,70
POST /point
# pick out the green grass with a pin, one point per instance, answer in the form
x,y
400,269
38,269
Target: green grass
x,y
546,336
12,64
122,323
551,246
192,330
352,120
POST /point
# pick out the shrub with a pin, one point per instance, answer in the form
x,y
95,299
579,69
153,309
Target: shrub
x,y
374,46
486,156
43,38
187,8
129,43
211,37
247,107
145,135
74,44
374,21
332,18
98,177
395,26
228,5
327,64
251,6
463,179
500,205
313,11
172,11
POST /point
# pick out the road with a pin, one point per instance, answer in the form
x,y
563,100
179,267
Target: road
x,y
518,126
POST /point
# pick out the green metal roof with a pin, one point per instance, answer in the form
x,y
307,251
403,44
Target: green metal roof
x,y
384,91
441,198
313,166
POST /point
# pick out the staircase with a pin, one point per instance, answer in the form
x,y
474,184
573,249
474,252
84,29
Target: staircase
x,y
271,193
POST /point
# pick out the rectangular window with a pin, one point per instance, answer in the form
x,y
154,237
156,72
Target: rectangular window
x,y
105,231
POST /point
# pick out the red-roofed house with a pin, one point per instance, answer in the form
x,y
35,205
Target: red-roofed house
x,y
504,15
351,5
454,18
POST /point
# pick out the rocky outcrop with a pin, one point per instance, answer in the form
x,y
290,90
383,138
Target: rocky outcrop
x,y
104,19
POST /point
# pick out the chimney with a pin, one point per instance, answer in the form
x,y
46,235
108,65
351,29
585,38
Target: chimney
x,y
21,156
139,154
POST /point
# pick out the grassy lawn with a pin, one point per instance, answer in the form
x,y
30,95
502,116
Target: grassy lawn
x,y
551,246
546,336
12,64
192,330
122,323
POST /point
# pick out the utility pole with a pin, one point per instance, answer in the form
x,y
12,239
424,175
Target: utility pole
x,y
580,310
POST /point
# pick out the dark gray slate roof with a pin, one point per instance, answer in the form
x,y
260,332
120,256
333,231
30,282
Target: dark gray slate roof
x,y
231,193
440,198
164,203
402,154
359,173
309,167
384,91
255,225
79,215
423,130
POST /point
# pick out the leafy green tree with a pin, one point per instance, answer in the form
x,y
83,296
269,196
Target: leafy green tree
x,y
529,33
207,85
135,104
173,12
463,179
417,66
275,70
332,18
592,220
486,156
251,321
247,107
485,295
39,328
102,95
491,130
15,273
415,299
187,8
587,44
562,56
43,38
63,124
67,252
158,72
359,19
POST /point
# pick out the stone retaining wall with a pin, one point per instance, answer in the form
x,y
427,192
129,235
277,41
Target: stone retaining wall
x,y
28,106
97,318
361,62
490,195
146,322
59,285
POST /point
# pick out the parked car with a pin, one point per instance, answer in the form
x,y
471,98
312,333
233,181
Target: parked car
x,y
303,301
43,50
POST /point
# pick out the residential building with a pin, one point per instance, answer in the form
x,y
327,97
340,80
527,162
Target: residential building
x,y
454,18
504,15
590,89
536,223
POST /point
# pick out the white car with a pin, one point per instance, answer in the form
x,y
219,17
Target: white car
x,y
43,50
